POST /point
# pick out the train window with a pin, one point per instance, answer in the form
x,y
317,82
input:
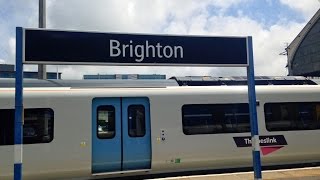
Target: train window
x,y
106,122
292,116
37,128
215,118
6,126
136,121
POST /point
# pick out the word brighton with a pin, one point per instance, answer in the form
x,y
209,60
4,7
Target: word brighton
x,y
140,51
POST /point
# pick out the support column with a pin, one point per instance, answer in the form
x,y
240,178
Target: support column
x,y
253,113
42,69
19,114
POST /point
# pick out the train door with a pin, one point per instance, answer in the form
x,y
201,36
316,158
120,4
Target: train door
x,y
121,137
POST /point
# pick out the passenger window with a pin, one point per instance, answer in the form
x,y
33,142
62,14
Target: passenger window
x,y
136,121
37,128
215,118
6,126
292,116
106,122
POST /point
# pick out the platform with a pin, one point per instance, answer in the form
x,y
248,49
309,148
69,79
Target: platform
x,y
310,173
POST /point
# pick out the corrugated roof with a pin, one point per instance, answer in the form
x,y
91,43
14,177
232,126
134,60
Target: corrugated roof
x,y
90,83
292,48
242,80
173,81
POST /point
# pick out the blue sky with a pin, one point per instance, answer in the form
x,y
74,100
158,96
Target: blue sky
x,y
266,12
272,23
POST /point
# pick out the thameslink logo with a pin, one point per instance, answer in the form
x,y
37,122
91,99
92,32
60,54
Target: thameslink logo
x,y
146,50
268,144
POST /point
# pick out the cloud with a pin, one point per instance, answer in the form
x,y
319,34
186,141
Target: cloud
x,y
176,17
126,15
307,8
267,42
131,16
12,45
2,61
184,17
12,14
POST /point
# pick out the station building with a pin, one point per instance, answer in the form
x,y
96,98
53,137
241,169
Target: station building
x,y
304,51
7,71
125,76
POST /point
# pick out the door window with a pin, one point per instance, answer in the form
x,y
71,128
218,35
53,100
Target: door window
x,y
106,122
136,121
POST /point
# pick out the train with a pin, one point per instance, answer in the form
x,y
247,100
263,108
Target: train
x,y
92,129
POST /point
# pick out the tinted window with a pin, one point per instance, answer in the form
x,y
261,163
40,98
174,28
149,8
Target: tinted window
x,y
136,121
292,116
215,118
37,128
6,126
106,122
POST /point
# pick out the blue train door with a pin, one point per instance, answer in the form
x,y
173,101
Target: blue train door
x,y
121,137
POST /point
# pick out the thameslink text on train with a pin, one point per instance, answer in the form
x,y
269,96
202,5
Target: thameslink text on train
x,y
262,141
141,51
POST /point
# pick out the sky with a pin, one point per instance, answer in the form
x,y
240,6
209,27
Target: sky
x,y
273,24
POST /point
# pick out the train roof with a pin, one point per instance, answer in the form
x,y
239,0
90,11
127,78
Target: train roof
x,y
242,80
155,83
112,83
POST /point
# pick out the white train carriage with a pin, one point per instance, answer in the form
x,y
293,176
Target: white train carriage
x,y
80,130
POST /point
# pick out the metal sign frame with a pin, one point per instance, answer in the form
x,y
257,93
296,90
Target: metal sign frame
x,y
20,60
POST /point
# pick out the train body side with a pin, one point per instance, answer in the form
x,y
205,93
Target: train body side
x,y
70,152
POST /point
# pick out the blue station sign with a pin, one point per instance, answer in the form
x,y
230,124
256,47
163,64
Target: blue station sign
x,y
72,47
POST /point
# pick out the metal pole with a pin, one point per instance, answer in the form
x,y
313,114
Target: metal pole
x,y
58,72
253,113
19,115
42,70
